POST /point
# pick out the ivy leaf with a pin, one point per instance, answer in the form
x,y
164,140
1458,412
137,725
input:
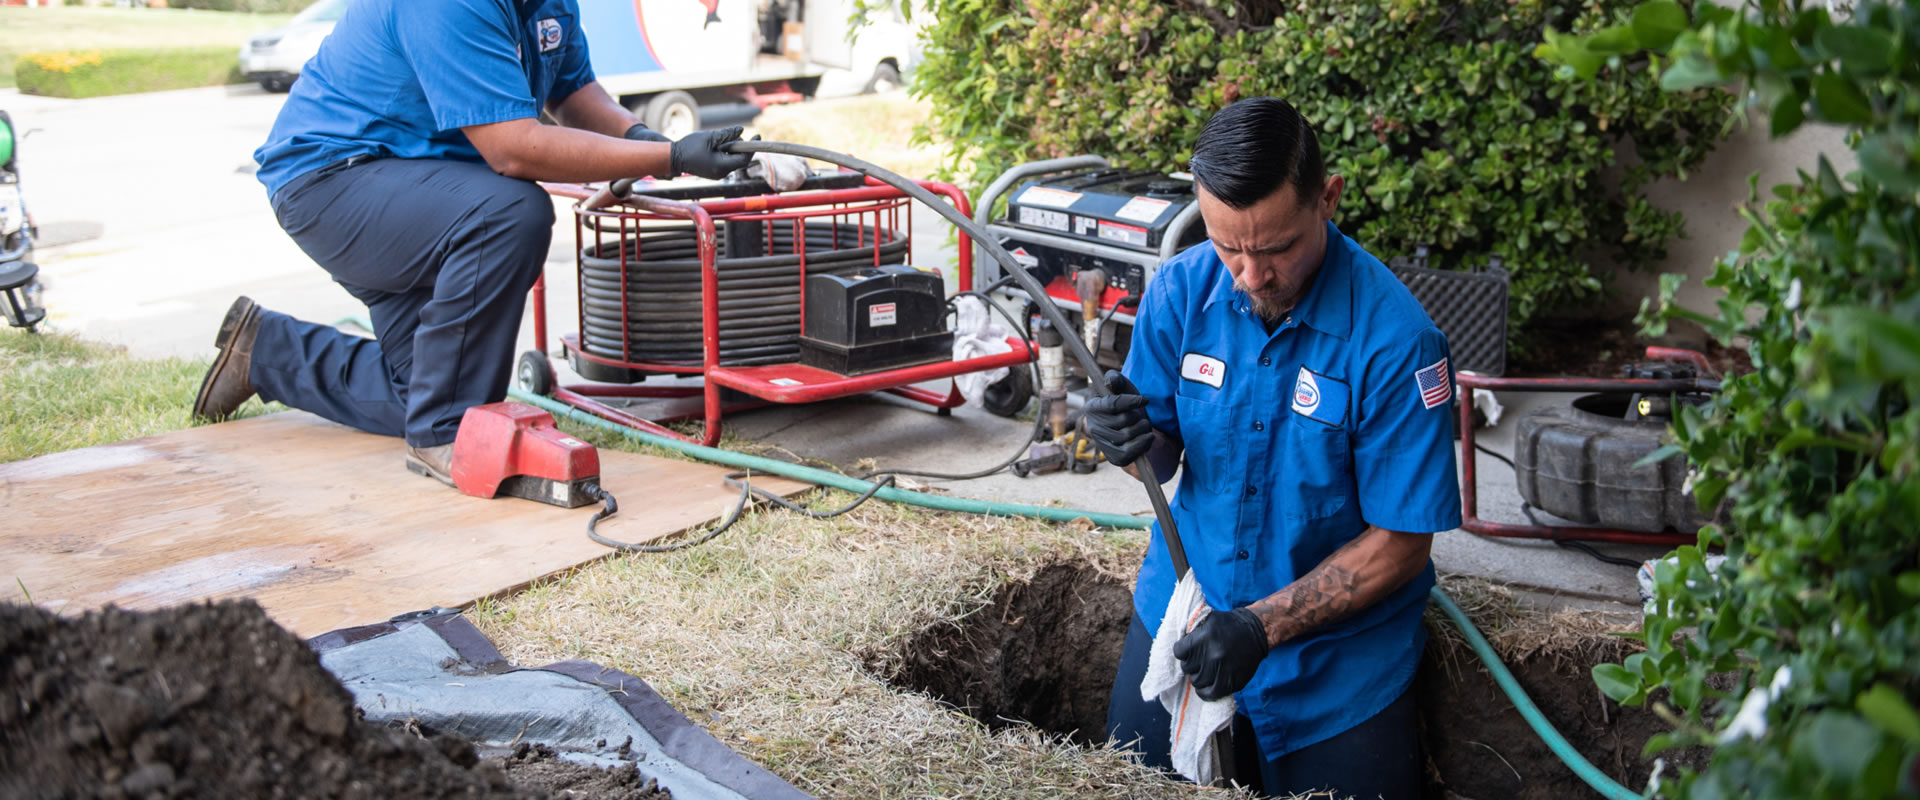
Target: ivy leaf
x,y
1788,112
1840,100
1656,24
1840,744
1885,706
1663,453
1615,40
1691,72
1859,49
1617,682
1885,158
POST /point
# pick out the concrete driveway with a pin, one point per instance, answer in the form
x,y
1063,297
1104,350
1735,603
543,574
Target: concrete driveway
x,y
153,222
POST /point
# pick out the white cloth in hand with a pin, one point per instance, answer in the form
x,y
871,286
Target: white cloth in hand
x,y
783,172
977,333
1194,720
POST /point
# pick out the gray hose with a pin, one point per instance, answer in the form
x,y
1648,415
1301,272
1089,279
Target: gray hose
x,y
1095,380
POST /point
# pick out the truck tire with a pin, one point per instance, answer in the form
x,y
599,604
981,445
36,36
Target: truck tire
x,y
672,114
1576,461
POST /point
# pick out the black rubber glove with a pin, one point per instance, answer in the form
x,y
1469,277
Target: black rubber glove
x,y
641,133
1118,422
1222,652
703,153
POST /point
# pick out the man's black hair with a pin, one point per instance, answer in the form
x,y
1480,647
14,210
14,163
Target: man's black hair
x,y
1255,146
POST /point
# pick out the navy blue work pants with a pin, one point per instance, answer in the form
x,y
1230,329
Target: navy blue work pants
x,y
443,254
1379,758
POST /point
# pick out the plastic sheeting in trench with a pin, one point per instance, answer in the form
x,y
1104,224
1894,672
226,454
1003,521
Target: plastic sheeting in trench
x,y
442,672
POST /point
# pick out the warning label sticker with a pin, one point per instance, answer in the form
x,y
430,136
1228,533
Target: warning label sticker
x,y
1124,234
1024,258
880,314
1143,209
1047,196
1042,218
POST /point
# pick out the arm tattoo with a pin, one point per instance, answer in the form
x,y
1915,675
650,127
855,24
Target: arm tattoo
x,y
1327,594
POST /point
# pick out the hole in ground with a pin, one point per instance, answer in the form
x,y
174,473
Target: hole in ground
x,y
1041,652
1044,653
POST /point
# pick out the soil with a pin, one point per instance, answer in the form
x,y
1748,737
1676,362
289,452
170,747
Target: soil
x,y
1602,348
217,700
1045,653
538,768
1042,652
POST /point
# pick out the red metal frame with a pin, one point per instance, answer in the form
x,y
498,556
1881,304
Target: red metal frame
x,y
778,383
1469,488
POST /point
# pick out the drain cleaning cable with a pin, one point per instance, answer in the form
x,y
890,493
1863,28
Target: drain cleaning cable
x,y
1541,726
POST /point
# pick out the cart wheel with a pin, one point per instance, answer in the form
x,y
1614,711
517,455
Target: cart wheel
x,y
535,374
1009,395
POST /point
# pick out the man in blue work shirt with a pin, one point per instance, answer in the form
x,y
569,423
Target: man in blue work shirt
x,y
404,164
1309,393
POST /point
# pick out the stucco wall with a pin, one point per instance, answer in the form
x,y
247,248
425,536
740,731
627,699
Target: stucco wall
x,y
1710,197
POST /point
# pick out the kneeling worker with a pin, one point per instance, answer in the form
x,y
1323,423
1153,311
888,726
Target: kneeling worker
x,y
1310,395
404,164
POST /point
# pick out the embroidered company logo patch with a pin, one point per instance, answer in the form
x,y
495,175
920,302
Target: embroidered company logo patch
x,y
549,34
1435,384
1203,369
1306,393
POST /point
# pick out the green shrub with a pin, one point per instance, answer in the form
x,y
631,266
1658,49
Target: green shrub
x,y
92,73
1448,131
1819,447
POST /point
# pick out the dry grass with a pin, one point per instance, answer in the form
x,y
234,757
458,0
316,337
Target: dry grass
x,y
1519,633
876,127
761,636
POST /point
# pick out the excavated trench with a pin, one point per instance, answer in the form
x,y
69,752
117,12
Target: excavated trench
x,y
1044,652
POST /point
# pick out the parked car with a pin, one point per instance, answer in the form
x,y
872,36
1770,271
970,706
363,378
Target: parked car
x,y
273,58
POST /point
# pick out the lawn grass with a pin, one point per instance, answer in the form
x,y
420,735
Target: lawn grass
x,y
58,393
36,29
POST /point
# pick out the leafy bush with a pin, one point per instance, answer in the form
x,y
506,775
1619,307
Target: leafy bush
x,y
1448,131
92,73
1816,610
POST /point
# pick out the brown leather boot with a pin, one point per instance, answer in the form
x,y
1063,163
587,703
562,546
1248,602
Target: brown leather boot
x,y
226,386
433,462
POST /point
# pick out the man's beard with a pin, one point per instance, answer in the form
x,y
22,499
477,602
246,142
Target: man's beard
x,y
1272,307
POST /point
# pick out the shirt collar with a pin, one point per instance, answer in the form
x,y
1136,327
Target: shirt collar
x,y
1328,306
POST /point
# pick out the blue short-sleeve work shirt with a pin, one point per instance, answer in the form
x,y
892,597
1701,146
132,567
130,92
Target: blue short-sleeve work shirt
x,y
400,78
1296,440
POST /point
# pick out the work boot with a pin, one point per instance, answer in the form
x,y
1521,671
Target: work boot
x,y
433,462
227,386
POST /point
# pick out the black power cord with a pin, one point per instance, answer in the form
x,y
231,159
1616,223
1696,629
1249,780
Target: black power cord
x,y
744,481
1567,544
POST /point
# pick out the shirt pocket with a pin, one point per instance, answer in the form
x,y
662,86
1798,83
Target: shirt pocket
x,y
1314,464
1216,453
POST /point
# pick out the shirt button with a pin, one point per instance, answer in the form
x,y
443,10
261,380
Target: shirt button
x,y
1242,555
1259,426
1252,490
1265,361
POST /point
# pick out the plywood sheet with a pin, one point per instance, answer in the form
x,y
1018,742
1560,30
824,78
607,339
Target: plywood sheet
x,y
321,524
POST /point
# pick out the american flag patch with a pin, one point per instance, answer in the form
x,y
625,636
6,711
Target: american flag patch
x,y
1436,384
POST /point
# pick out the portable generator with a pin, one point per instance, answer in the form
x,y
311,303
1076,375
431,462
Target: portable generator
x,y
1093,234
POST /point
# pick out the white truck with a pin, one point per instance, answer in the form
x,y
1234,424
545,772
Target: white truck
x,y
665,59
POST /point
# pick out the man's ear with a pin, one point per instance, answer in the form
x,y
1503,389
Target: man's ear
x,y
1330,196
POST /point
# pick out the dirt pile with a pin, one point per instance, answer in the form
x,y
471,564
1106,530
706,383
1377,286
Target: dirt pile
x,y
219,701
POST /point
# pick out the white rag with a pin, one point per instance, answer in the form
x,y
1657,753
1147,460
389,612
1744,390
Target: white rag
x,y
783,172
1194,720
977,333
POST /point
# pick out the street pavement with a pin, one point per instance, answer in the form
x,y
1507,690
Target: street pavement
x,y
153,221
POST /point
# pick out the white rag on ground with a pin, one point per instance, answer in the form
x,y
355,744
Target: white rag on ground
x,y
977,333
783,172
1194,720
